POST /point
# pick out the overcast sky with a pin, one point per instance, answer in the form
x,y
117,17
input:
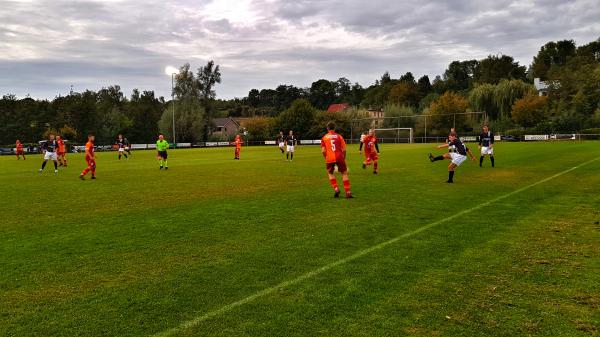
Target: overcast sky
x,y
45,46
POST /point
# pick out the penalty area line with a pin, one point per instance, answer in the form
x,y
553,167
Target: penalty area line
x,y
228,307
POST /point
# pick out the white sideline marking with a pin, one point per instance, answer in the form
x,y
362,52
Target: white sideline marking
x,y
193,322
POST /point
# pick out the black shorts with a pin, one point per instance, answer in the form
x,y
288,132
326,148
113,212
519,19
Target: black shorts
x,y
162,154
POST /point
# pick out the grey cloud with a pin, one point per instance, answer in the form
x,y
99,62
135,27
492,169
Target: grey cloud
x,y
47,45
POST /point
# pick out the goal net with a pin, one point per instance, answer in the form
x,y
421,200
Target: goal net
x,y
395,135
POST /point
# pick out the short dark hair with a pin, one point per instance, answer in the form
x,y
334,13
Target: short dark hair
x,y
453,134
90,134
331,125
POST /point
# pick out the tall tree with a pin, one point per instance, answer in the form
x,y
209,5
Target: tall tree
x,y
495,68
322,94
552,54
207,77
459,75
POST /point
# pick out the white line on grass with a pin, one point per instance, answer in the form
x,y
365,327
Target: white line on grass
x,y
194,322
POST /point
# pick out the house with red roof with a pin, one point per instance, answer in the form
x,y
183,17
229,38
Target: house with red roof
x,y
338,107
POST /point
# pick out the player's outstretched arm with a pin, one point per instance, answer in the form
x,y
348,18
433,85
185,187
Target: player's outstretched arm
x,y
441,146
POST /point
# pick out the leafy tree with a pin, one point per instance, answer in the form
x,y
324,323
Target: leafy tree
x,y
254,98
405,114
424,86
507,92
459,75
260,128
494,68
299,117
482,98
408,78
448,111
322,94
404,93
207,77
552,54
529,110
190,121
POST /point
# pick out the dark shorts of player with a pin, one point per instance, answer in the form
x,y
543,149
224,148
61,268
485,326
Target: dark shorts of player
x,y
341,165
162,154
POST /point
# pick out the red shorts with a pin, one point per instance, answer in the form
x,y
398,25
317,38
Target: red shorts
x,y
341,165
20,152
371,156
90,162
61,153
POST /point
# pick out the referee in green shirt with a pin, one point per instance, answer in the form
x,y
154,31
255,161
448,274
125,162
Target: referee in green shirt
x,y
162,145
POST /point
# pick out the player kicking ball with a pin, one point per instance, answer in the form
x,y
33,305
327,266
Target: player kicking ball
x,y
90,158
162,146
49,147
19,150
486,145
371,151
333,148
291,141
457,157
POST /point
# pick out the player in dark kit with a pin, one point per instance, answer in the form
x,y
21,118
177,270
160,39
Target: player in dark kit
x,y
50,147
333,148
486,145
457,157
291,141
121,145
281,142
127,146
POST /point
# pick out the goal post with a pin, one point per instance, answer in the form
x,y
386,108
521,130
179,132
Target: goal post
x,y
398,135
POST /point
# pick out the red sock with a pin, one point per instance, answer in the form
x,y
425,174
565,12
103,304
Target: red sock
x,y
85,171
347,186
333,183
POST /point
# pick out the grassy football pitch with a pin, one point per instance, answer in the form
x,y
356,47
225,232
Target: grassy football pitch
x,y
258,247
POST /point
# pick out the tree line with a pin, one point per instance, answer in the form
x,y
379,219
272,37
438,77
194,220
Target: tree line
x,y
497,85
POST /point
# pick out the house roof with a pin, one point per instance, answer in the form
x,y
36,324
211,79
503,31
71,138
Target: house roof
x,y
221,122
338,107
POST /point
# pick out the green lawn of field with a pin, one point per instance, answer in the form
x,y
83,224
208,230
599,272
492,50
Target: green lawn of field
x,y
142,252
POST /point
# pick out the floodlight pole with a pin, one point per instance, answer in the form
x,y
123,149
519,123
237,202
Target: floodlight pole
x,y
173,104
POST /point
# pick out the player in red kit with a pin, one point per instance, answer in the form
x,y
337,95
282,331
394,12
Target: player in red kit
x,y
19,150
90,158
333,148
371,151
61,152
238,146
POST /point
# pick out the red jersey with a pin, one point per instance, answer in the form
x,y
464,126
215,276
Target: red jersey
x,y
89,150
238,142
61,146
19,146
370,142
335,147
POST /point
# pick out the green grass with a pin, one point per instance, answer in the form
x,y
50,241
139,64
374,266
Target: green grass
x,y
140,251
